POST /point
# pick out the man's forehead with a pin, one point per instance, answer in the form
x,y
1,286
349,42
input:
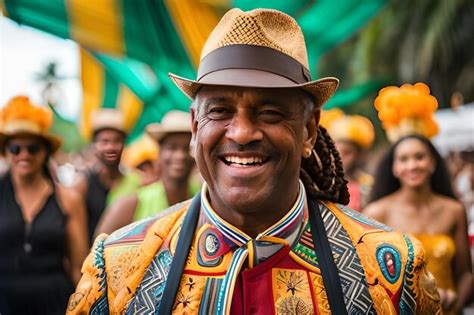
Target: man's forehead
x,y
230,92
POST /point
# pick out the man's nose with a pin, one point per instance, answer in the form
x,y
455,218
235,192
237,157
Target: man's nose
x,y
243,129
181,153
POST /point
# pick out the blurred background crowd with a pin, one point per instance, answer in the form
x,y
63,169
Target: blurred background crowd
x,y
94,136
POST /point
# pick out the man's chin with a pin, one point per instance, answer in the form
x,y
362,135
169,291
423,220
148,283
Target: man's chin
x,y
245,199
111,163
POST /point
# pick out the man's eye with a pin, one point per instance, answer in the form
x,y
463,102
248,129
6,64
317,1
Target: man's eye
x,y
270,115
218,112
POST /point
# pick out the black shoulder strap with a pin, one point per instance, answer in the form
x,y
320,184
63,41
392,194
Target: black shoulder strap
x,y
331,280
185,239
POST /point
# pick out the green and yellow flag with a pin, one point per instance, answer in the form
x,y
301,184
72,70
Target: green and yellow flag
x,y
129,46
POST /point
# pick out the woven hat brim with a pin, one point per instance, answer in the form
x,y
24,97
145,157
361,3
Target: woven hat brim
x,y
157,132
53,140
322,89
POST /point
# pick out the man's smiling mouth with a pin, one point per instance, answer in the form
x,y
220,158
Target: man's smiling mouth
x,y
241,161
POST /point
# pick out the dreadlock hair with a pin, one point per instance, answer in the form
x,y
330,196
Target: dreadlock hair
x,y
322,173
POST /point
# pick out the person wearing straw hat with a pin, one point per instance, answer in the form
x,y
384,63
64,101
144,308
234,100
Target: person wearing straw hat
x,y
43,239
268,233
353,135
175,185
105,182
412,191
142,155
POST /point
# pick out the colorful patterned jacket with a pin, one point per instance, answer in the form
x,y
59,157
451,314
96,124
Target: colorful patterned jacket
x,y
381,271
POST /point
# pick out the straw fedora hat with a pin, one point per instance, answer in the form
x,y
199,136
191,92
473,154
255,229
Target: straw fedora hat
x,y
20,117
174,121
108,118
260,48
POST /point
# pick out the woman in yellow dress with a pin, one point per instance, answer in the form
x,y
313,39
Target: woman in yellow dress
x,y
412,193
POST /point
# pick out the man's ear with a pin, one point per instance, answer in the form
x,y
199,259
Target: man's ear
x,y
194,129
311,131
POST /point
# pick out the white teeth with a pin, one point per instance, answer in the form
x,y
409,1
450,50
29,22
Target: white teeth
x,y
243,161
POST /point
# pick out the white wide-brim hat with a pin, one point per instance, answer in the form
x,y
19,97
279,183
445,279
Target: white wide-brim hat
x,y
174,121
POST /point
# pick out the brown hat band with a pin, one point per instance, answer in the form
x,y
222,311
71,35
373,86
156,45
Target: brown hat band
x,y
253,57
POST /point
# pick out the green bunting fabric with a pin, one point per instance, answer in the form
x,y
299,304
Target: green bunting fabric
x,y
130,46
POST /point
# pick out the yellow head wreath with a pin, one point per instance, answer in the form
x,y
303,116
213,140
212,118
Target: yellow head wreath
x,y
142,150
355,128
407,110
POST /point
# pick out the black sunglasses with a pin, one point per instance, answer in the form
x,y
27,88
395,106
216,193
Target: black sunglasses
x,y
32,149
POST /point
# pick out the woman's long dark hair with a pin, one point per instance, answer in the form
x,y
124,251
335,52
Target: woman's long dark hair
x,y
386,183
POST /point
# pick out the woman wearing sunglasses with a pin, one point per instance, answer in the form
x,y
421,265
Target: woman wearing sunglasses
x,y
42,225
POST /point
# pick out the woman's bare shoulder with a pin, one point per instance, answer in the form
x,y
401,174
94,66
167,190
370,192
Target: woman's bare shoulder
x,y
450,204
378,209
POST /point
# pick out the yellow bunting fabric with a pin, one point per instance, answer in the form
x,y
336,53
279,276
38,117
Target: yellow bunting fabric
x,y
94,80
97,25
130,105
194,22
92,77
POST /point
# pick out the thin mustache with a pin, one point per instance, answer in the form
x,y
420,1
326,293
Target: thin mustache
x,y
252,147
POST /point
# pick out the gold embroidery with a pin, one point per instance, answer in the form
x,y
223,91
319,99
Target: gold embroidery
x,y
291,292
320,294
189,295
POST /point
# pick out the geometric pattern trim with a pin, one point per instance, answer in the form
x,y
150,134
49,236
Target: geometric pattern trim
x,y
359,217
407,300
100,307
146,300
354,285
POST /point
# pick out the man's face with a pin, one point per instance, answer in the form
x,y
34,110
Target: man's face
x,y
108,144
175,160
349,152
249,143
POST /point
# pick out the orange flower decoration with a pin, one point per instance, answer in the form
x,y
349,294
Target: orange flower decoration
x,y
406,110
20,108
20,116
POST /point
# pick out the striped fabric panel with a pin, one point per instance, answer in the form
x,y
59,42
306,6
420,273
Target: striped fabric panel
x,y
209,297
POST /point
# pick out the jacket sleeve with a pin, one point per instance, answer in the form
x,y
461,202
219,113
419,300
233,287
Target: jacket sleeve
x,y
91,292
419,292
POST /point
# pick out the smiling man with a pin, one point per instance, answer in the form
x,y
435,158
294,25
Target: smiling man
x,y
104,182
268,233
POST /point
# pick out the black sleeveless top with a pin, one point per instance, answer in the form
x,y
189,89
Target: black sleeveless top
x,y
32,275
96,198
